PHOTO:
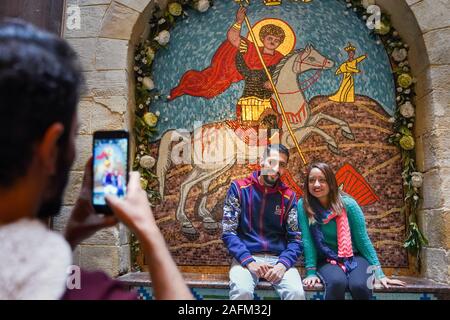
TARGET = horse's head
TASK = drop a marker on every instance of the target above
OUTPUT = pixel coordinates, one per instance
(309, 59)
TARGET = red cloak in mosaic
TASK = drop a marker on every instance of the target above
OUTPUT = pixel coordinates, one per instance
(222, 72)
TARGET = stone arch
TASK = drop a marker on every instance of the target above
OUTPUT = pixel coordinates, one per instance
(432, 70)
(105, 44)
(425, 26)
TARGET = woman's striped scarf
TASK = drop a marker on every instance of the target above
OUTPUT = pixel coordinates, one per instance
(344, 256)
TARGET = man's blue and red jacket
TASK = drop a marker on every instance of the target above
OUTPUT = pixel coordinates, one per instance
(260, 219)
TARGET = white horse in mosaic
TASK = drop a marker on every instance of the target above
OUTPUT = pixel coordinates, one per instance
(214, 148)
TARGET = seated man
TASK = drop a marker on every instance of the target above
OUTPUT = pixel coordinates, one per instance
(261, 232)
(40, 83)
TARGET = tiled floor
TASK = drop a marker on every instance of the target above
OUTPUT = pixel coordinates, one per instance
(215, 287)
(145, 293)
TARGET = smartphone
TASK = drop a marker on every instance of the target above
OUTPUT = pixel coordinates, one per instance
(109, 167)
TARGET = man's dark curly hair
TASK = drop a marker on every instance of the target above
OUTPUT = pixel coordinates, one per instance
(273, 30)
(40, 84)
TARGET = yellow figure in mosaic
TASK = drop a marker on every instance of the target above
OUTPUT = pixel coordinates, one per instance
(346, 92)
(273, 2)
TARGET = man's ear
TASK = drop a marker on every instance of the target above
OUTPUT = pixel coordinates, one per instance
(47, 149)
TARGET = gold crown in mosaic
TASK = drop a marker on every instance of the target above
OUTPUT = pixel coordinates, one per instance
(272, 2)
(349, 47)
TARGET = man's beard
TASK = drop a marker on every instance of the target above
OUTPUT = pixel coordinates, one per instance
(268, 181)
(54, 196)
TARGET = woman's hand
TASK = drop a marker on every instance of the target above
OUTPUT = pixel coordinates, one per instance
(311, 281)
(385, 281)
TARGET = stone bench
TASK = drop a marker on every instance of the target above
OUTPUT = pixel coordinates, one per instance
(215, 286)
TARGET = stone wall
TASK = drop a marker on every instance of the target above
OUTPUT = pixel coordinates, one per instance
(426, 27)
(109, 30)
(105, 43)
(434, 135)
(432, 69)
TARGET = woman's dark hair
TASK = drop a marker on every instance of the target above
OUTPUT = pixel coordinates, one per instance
(334, 197)
(40, 83)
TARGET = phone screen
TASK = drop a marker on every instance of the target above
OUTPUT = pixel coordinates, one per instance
(109, 168)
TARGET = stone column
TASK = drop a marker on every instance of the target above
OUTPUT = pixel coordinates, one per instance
(433, 135)
(105, 44)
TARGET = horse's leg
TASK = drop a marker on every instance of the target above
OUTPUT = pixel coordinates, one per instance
(331, 143)
(191, 180)
(345, 128)
(208, 221)
(303, 133)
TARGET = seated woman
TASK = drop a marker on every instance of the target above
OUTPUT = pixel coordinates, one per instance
(336, 244)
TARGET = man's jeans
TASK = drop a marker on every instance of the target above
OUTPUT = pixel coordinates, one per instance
(243, 282)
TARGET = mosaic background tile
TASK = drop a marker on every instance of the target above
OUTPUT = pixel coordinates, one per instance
(370, 154)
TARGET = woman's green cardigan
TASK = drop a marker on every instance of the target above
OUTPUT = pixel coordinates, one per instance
(360, 239)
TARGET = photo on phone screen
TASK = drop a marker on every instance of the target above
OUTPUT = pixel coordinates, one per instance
(110, 165)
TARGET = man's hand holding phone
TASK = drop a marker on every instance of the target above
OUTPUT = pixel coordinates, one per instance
(110, 161)
(134, 210)
(110, 167)
(84, 220)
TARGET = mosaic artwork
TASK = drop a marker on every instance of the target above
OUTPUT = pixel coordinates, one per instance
(321, 84)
